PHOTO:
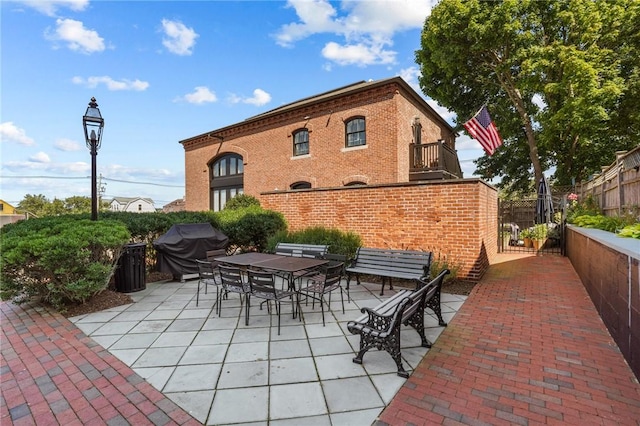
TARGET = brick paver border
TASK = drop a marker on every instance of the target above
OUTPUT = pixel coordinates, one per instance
(527, 347)
(52, 374)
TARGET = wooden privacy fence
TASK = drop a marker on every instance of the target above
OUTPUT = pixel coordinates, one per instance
(617, 188)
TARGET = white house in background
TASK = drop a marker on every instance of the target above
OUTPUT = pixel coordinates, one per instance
(134, 205)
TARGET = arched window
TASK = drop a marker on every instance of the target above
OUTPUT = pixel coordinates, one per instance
(356, 183)
(355, 132)
(226, 176)
(300, 185)
(301, 142)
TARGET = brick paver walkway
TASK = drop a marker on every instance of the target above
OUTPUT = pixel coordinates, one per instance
(52, 374)
(526, 348)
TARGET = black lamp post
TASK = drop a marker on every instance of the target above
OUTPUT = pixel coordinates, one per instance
(93, 124)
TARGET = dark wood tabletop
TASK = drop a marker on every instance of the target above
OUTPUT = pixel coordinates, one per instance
(291, 264)
(247, 259)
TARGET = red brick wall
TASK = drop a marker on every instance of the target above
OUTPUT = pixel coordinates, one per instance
(455, 218)
(266, 145)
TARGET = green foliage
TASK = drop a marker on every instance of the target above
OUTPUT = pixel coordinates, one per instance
(539, 231)
(525, 233)
(40, 206)
(606, 223)
(249, 228)
(631, 231)
(241, 201)
(61, 259)
(560, 80)
(586, 214)
(587, 206)
(442, 261)
(339, 242)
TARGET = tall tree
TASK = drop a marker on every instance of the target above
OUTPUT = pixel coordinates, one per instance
(551, 74)
(33, 204)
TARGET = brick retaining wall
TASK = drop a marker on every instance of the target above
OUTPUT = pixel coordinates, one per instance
(457, 218)
(612, 279)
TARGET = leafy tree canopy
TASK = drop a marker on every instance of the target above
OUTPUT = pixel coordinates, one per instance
(40, 206)
(561, 80)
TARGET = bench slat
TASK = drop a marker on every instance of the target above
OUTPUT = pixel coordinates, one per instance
(380, 326)
(299, 250)
(389, 263)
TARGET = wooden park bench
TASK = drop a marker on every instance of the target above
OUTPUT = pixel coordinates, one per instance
(379, 327)
(388, 264)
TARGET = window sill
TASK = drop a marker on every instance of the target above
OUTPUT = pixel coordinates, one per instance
(354, 148)
(299, 157)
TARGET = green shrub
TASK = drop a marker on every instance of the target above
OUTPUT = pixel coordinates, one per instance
(241, 201)
(631, 231)
(339, 242)
(61, 259)
(250, 228)
(441, 261)
(607, 223)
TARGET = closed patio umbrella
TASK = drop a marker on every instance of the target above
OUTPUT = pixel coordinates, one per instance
(544, 203)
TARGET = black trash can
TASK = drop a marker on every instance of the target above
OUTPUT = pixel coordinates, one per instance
(131, 273)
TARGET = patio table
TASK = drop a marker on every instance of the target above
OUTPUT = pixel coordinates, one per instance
(276, 262)
(247, 259)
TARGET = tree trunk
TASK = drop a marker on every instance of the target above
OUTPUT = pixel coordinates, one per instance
(516, 98)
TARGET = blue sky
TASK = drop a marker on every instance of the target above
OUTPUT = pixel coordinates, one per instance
(163, 71)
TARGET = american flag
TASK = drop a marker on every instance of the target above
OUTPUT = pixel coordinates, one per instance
(482, 129)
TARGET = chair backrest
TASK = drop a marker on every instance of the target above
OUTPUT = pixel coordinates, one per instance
(261, 282)
(333, 274)
(231, 277)
(205, 270)
(212, 254)
(335, 259)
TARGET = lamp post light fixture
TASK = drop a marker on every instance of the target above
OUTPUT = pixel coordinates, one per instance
(93, 124)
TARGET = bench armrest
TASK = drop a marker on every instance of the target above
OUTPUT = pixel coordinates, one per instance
(382, 322)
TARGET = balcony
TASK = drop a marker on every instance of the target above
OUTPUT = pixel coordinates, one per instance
(433, 160)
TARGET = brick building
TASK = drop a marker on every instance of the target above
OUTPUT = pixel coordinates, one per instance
(372, 158)
(361, 134)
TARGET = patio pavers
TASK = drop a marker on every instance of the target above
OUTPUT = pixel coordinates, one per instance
(527, 347)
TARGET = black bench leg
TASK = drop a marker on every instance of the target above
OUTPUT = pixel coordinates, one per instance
(384, 279)
(434, 305)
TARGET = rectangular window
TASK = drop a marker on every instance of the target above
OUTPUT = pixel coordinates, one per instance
(301, 142)
(355, 131)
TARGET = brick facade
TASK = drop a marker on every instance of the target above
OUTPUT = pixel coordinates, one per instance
(456, 218)
(265, 142)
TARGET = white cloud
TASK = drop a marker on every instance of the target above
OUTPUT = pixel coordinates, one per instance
(260, 97)
(48, 167)
(40, 157)
(360, 54)
(179, 38)
(11, 133)
(67, 145)
(367, 27)
(465, 143)
(76, 36)
(200, 95)
(50, 7)
(113, 85)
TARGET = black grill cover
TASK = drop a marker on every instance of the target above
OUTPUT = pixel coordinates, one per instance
(185, 242)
